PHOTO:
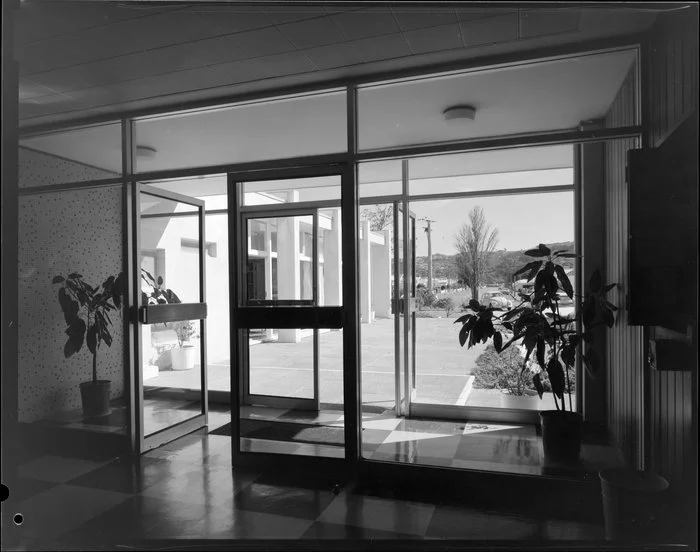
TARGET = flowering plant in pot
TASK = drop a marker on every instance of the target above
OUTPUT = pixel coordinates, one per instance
(184, 354)
(538, 325)
(86, 312)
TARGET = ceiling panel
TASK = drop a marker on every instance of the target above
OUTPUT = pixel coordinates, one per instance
(287, 14)
(229, 18)
(490, 30)
(383, 47)
(366, 23)
(103, 57)
(433, 39)
(468, 13)
(313, 32)
(263, 42)
(410, 18)
(336, 55)
(151, 63)
(42, 20)
(155, 31)
(544, 22)
(219, 75)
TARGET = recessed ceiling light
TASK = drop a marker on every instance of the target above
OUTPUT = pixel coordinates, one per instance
(146, 152)
(457, 114)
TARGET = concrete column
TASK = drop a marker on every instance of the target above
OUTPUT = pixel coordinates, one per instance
(288, 269)
(332, 277)
(365, 272)
(381, 277)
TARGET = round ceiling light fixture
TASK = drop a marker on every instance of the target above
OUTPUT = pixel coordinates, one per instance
(145, 152)
(459, 114)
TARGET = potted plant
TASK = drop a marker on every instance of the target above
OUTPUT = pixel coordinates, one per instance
(183, 355)
(503, 372)
(86, 312)
(538, 325)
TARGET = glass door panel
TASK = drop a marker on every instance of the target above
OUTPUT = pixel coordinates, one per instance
(289, 275)
(172, 383)
(279, 258)
(399, 314)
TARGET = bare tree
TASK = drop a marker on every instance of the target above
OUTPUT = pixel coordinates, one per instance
(474, 241)
(380, 217)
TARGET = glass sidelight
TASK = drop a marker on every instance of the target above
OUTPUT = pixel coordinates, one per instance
(171, 398)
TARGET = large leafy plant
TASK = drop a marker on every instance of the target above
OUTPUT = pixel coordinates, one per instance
(86, 311)
(152, 291)
(538, 325)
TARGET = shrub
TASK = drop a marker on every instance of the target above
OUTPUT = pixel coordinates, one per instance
(446, 303)
(502, 371)
(424, 298)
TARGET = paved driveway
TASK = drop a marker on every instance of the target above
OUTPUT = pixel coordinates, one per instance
(442, 376)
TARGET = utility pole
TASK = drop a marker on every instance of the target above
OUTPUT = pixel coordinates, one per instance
(428, 231)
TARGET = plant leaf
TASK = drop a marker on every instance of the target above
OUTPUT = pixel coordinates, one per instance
(569, 255)
(564, 281)
(76, 334)
(534, 266)
(92, 338)
(57, 279)
(540, 351)
(74, 275)
(555, 373)
(497, 341)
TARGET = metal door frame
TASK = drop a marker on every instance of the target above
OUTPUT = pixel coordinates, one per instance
(147, 314)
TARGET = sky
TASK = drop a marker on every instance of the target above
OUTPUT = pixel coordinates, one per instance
(522, 221)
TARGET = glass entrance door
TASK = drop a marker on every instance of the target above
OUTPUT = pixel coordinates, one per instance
(172, 317)
(287, 317)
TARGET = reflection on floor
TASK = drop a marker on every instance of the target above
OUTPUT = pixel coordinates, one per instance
(187, 490)
(162, 412)
(159, 412)
(487, 446)
(114, 422)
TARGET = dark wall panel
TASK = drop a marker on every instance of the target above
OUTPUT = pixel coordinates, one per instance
(672, 87)
(624, 342)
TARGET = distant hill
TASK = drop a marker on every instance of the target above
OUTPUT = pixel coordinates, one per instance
(502, 263)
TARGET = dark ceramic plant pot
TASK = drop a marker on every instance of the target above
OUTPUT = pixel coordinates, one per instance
(95, 396)
(561, 436)
(632, 504)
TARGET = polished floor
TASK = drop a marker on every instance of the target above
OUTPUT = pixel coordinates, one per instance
(486, 446)
(188, 490)
(159, 412)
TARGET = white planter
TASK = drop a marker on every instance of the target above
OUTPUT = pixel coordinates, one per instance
(183, 357)
(529, 401)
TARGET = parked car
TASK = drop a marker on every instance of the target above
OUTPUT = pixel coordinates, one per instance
(496, 300)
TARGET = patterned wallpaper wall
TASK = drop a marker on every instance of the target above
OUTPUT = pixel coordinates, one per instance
(37, 168)
(62, 232)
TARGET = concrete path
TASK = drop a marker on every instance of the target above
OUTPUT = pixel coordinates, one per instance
(443, 368)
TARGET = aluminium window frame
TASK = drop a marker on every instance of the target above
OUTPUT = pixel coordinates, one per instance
(352, 157)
